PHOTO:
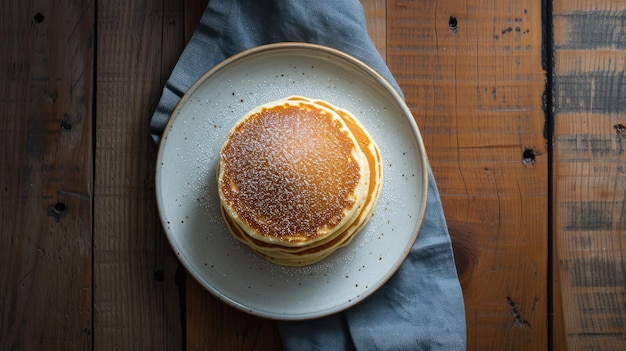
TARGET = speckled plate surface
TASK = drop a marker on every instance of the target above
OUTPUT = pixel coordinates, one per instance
(188, 201)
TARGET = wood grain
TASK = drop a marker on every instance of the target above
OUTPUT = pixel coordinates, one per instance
(46, 76)
(376, 19)
(589, 159)
(136, 299)
(472, 76)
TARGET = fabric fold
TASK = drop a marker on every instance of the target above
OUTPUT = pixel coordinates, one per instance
(421, 306)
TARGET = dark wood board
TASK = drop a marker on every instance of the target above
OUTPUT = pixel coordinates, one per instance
(137, 301)
(46, 189)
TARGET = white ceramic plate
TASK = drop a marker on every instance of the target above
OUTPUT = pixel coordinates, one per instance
(188, 201)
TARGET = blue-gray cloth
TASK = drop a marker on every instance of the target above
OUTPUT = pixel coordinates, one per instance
(421, 306)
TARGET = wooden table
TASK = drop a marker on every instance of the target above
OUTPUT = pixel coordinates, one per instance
(523, 113)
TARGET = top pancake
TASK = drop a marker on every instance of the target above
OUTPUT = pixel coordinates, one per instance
(291, 173)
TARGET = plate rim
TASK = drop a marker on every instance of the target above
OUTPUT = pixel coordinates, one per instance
(369, 71)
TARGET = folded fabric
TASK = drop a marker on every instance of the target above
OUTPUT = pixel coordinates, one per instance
(421, 306)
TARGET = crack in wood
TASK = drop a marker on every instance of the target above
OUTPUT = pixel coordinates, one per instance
(516, 314)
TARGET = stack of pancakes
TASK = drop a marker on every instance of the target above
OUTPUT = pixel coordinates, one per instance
(297, 179)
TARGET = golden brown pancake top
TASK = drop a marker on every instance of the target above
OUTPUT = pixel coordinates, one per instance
(290, 171)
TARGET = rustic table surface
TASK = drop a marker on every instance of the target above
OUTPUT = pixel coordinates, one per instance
(522, 106)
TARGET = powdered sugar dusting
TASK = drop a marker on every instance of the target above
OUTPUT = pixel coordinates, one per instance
(290, 170)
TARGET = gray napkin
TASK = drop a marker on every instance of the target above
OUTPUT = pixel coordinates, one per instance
(421, 306)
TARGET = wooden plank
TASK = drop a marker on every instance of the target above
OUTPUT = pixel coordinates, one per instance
(136, 299)
(46, 83)
(194, 9)
(472, 76)
(590, 201)
(376, 19)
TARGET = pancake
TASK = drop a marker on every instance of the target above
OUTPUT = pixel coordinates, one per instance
(292, 173)
(298, 178)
